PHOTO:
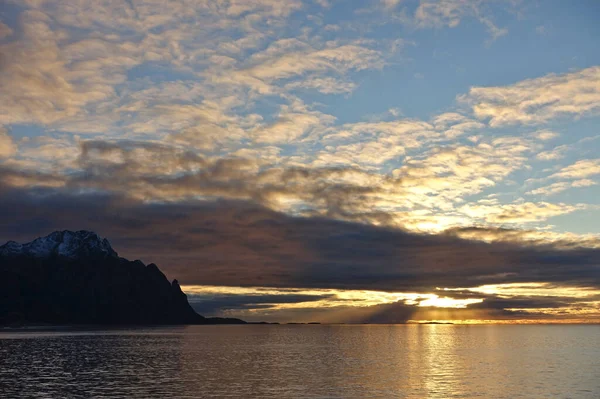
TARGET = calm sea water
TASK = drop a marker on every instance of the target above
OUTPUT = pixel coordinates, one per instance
(304, 361)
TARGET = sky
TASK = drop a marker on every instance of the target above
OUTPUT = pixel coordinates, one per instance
(378, 161)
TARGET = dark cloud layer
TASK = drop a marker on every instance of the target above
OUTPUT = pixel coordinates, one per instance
(243, 244)
(268, 307)
(155, 170)
(216, 304)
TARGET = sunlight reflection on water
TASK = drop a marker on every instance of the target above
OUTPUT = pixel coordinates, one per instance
(405, 361)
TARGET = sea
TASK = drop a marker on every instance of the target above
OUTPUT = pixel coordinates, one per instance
(303, 361)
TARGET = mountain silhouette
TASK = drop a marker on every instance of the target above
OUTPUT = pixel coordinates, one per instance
(77, 278)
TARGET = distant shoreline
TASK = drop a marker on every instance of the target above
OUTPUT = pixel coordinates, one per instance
(122, 327)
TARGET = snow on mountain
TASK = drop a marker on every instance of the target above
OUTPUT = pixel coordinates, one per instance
(68, 244)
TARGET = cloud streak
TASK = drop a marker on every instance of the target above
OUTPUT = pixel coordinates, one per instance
(538, 100)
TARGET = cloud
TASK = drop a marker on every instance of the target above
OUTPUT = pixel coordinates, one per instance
(546, 135)
(424, 194)
(373, 143)
(537, 100)
(71, 66)
(147, 15)
(559, 187)
(526, 212)
(328, 305)
(231, 243)
(5, 31)
(64, 79)
(554, 154)
(292, 123)
(288, 128)
(526, 237)
(39, 93)
(163, 172)
(325, 85)
(216, 305)
(390, 4)
(441, 177)
(46, 153)
(440, 13)
(579, 170)
(19, 176)
(194, 74)
(7, 145)
(454, 125)
(274, 63)
(344, 180)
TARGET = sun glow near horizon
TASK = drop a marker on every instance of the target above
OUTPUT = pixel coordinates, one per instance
(308, 304)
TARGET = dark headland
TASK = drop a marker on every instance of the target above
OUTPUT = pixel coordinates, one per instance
(77, 278)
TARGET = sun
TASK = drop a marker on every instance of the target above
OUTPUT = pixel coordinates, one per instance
(446, 302)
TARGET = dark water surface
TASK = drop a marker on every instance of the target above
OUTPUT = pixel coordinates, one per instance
(304, 361)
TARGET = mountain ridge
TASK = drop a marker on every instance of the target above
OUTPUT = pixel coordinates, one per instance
(70, 244)
(75, 277)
